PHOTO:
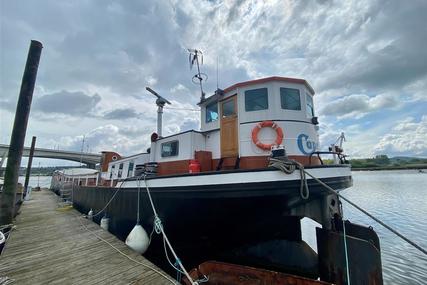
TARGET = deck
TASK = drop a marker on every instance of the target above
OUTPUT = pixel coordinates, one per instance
(52, 245)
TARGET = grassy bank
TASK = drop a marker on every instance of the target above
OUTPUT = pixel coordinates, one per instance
(382, 162)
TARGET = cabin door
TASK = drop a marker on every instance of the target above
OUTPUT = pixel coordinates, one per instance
(229, 128)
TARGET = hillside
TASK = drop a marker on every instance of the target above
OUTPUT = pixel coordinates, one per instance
(384, 162)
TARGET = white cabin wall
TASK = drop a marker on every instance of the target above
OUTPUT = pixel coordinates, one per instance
(274, 111)
(292, 131)
(295, 123)
(189, 142)
(136, 159)
(213, 143)
(300, 138)
(199, 142)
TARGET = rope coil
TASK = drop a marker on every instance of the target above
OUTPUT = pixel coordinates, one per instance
(288, 166)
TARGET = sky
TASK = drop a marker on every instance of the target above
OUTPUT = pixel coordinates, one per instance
(366, 60)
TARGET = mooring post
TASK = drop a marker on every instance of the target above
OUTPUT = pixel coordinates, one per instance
(30, 161)
(7, 199)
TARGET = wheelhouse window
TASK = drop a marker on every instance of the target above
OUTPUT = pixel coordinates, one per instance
(130, 169)
(290, 99)
(212, 112)
(228, 108)
(119, 174)
(256, 99)
(169, 148)
(309, 106)
(112, 170)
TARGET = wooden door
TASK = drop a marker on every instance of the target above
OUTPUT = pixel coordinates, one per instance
(229, 128)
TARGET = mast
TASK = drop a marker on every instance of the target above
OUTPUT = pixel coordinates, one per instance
(160, 102)
(200, 76)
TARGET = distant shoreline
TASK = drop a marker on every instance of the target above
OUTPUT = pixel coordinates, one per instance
(407, 167)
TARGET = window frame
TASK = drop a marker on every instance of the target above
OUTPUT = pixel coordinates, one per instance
(130, 170)
(256, 89)
(281, 100)
(231, 99)
(120, 171)
(215, 103)
(169, 142)
(310, 114)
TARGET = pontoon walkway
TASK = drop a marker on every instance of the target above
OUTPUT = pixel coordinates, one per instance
(50, 246)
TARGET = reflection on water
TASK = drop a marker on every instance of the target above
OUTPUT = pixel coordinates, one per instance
(398, 198)
(42, 181)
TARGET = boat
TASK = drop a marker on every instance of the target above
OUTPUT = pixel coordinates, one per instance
(235, 191)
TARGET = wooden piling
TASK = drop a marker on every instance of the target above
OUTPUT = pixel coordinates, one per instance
(30, 162)
(7, 199)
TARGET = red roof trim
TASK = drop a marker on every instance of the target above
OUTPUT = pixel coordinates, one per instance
(268, 79)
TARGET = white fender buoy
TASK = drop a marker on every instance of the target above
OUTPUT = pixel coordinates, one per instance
(138, 239)
(104, 223)
(2, 238)
(90, 215)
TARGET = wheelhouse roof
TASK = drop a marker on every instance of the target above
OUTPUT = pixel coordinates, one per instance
(268, 79)
(260, 81)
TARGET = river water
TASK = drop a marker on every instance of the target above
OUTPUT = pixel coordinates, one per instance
(42, 181)
(398, 198)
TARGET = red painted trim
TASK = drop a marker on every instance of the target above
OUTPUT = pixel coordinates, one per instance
(268, 79)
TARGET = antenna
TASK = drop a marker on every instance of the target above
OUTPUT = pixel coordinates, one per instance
(193, 58)
(81, 151)
(160, 102)
(217, 68)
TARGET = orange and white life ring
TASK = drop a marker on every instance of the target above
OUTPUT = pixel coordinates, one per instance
(267, 124)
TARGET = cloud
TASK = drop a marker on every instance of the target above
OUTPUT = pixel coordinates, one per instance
(7, 105)
(68, 103)
(408, 137)
(121, 114)
(361, 56)
(107, 137)
(358, 105)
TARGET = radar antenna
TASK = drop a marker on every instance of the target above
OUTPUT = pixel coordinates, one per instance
(193, 58)
(160, 102)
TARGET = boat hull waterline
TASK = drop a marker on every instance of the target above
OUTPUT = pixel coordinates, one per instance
(224, 212)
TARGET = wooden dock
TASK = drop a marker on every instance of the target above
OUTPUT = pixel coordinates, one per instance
(52, 245)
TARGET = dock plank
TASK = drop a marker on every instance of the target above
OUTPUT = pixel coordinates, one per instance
(57, 246)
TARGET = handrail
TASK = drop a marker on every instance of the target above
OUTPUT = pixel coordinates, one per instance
(340, 155)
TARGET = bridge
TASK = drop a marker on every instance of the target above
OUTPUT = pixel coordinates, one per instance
(91, 159)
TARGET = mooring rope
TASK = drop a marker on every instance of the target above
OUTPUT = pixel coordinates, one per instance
(288, 166)
(346, 252)
(137, 212)
(109, 202)
(6, 226)
(359, 208)
(124, 254)
(159, 229)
